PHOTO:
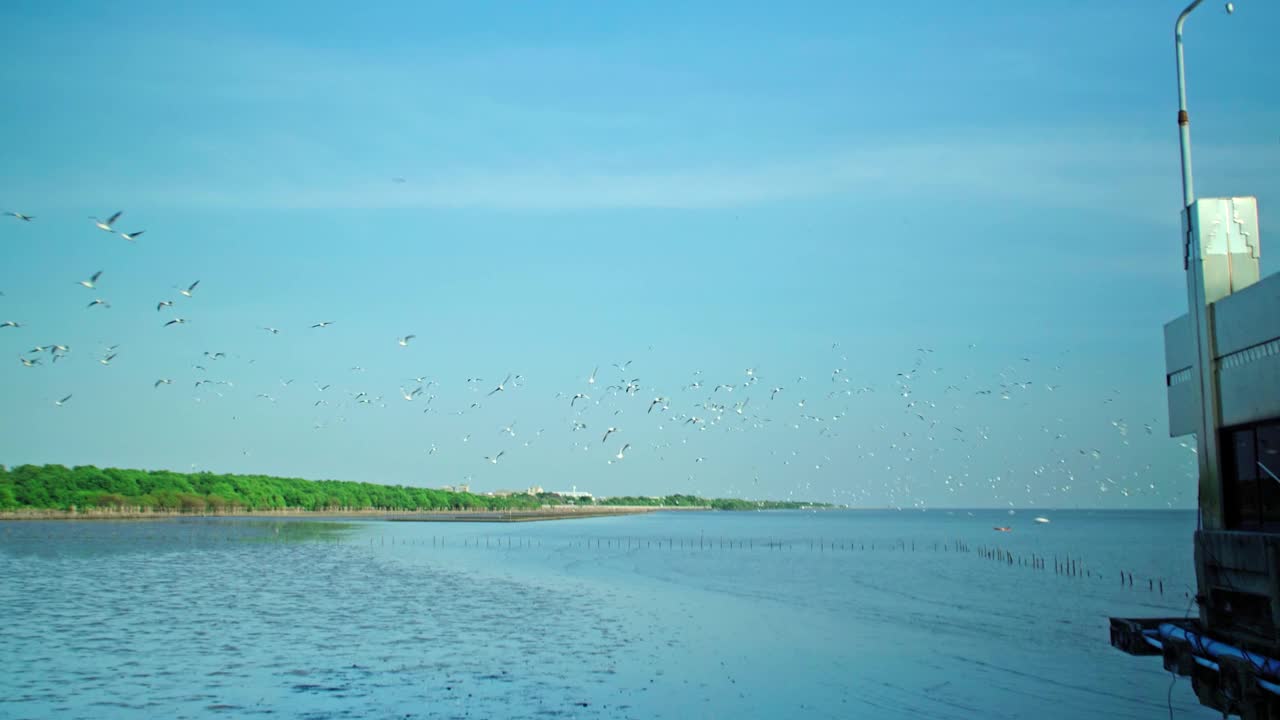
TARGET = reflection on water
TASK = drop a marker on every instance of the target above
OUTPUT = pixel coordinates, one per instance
(670, 615)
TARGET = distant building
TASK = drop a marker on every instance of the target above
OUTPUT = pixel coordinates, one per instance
(534, 490)
(574, 494)
(457, 488)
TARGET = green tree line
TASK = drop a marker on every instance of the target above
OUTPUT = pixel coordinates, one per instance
(56, 487)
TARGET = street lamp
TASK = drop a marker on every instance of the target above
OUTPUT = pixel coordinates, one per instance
(1202, 326)
(1184, 122)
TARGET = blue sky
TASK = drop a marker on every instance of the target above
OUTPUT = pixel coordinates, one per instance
(709, 188)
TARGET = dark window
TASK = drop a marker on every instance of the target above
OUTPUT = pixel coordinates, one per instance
(1266, 466)
(1251, 477)
(1241, 482)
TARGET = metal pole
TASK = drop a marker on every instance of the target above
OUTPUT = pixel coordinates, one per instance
(1184, 121)
(1210, 488)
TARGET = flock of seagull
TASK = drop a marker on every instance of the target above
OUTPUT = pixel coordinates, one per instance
(918, 437)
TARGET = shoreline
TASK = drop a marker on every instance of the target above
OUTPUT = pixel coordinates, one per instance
(555, 512)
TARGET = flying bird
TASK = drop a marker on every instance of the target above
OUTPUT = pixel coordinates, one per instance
(107, 360)
(324, 324)
(607, 433)
(106, 224)
(99, 301)
(20, 216)
(592, 380)
(62, 402)
(10, 323)
(29, 363)
(162, 381)
(404, 341)
(501, 386)
(92, 279)
(622, 451)
(189, 290)
(494, 459)
(163, 304)
(577, 397)
(272, 330)
(175, 321)
(132, 236)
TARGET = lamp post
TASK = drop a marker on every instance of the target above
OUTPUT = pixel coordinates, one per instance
(1184, 122)
(1210, 481)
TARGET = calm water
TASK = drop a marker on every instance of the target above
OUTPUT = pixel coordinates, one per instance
(668, 615)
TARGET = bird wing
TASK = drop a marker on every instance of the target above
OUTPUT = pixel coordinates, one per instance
(193, 286)
(113, 218)
(95, 276)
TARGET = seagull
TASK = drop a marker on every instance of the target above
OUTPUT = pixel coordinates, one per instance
(622, 367)
(774, 392)
(410, 395)
(189, 290)
(107, 360)
(510, 429)
(577, 397)
(656, 401)
(494, 459)
(622, 451)
(29, 363)
(62, 402)
(106, 224)
(10, 323)
(592, 380)
(92, 279)
(272, 330)
(607, 433)
(162, 381)
(132, 236)
(20, 216)
(163, 304)
(175, 321)
(324, 324)
(502, 385)
(99, 301)
(404, 341)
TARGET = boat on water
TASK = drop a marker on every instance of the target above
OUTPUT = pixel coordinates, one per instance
(1002, 528)
(1042, 520)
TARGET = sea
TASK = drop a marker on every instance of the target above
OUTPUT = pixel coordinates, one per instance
(781, 614)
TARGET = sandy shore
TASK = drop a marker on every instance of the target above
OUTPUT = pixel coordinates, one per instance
(557, 512)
